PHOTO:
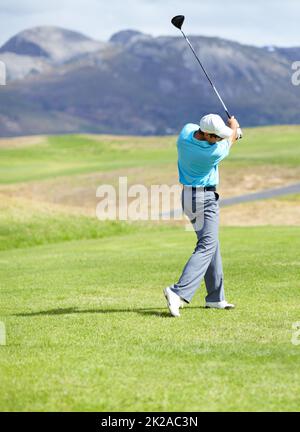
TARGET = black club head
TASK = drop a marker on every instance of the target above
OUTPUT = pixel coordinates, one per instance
(177, 21)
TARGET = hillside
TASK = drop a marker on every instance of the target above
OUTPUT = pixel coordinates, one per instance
(63, 82)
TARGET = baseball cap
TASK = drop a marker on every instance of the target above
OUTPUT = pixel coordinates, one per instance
(214, 124)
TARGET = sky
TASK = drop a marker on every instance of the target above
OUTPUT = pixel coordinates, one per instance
(254, 22)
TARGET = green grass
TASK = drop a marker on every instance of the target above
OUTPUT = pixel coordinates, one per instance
(75, 154)
(273, 145)
(291, 197)
(87, 325)
(19, 229)
(71, 154)
(88, 329)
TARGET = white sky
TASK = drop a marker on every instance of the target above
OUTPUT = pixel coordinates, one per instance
(255, 22)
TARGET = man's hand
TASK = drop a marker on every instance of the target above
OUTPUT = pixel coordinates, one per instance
(234, 125)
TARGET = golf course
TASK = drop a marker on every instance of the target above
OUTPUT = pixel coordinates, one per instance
(87, 326)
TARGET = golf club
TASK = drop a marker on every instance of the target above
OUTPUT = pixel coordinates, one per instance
(177, 21)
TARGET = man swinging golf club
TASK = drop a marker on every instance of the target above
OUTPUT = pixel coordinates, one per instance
(200, 150)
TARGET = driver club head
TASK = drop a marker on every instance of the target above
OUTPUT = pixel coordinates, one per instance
(177, 21)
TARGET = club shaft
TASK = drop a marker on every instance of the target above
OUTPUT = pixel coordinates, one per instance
(206, 74)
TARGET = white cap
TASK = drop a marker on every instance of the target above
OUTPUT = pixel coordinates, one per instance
(213, 123)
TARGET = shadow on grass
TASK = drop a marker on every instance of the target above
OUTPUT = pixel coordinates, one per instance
(159, 312)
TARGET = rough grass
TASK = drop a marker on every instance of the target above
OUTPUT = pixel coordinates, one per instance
(28, 225)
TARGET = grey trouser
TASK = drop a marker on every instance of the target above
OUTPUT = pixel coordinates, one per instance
(205, 261)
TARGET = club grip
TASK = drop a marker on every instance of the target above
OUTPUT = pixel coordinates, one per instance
(239, 133)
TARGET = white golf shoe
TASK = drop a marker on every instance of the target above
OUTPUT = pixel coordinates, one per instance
(173, 302)
(219, 305)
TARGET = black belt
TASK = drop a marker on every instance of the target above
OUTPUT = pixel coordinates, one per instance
(210, 188)
(206, 188)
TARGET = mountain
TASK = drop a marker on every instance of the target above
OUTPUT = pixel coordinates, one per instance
(60, 81)
(40, 49)
(50, 42)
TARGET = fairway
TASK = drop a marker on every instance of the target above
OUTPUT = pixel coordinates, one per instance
(88, 329)
(69, 155)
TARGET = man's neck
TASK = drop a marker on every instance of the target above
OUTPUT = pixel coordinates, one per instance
(199, 136)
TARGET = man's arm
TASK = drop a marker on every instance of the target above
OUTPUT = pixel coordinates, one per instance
(234, 125)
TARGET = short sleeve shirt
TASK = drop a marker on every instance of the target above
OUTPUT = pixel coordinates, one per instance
(198, 160)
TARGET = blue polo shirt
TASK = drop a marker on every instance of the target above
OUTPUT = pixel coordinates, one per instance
(198, 160)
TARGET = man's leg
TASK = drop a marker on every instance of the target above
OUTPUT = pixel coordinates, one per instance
(214, 278)
(196, 267)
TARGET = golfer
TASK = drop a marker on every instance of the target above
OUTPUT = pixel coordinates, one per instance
(200, 150)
